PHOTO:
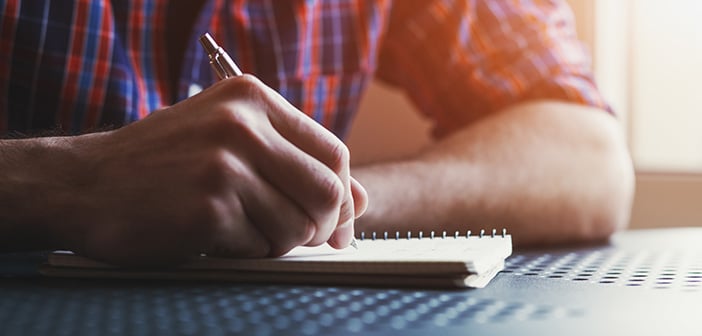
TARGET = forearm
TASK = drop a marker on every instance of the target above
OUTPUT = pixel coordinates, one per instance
(548, 172)
(33, 190)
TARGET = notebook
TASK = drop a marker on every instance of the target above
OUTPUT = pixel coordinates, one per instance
(442, 261)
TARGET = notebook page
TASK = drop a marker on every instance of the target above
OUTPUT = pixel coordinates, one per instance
(445, 250)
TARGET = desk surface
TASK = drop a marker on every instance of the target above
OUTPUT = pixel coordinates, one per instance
(642, 282)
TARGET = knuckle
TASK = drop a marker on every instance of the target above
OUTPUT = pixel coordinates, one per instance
(332, 191)
(239, 124)
(261, 250)
(210, 215)
(340, 156)
(347, 212)
(240, 128)
(217, 164)
(285, 241)
(303, 231)
(307, 230)
(250, 80)
(219, 167)
(243, 86)
(229, 118)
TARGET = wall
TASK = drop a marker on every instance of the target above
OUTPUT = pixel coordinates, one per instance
(387, 127)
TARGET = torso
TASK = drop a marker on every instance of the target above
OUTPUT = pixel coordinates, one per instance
(318, 54)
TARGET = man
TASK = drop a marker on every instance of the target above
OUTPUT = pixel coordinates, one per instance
(524, 140)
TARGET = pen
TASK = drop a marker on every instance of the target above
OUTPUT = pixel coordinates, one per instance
(225, 67)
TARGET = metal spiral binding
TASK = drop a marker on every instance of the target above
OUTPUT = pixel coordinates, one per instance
(420, 235)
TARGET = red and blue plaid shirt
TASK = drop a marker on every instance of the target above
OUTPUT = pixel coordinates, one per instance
(81, 65)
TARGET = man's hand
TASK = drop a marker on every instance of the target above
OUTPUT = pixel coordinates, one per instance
(234, 170)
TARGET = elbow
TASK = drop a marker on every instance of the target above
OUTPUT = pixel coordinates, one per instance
(616, 202)
(611, 192)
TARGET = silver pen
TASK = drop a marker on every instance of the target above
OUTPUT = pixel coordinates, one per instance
(225, 67)
(220, 61)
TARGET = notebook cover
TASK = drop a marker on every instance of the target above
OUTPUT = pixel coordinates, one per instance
(404, 257)
(302, 278)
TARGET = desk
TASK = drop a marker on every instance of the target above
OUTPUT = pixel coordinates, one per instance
(641, 283)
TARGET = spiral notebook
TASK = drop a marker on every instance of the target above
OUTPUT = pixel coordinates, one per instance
(432, 261)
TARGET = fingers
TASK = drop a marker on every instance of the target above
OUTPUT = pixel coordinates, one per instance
(301, 130)
(236, 232)
(306, 153)
(318, 142)
(239, 236)
(307, 182)
(299, 159)
(262, 221)
(276, 213)
(279, 218)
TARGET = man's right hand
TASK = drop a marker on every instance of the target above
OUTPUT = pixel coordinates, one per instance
(234, 170)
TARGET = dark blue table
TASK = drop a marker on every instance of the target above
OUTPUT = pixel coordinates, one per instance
(641, 283)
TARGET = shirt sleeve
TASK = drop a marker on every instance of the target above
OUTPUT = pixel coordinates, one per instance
(459, 61)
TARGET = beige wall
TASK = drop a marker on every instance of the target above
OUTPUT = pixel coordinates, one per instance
(387, 127)
(667, 200)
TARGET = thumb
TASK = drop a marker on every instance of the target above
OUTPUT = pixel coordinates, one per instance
(360, 197)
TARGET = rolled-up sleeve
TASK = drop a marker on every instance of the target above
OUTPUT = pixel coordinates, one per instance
(459, 61)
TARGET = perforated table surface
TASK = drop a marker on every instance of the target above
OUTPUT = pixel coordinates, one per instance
(641, 283)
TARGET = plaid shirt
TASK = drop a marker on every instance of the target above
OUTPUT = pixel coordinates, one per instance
(81, 65)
